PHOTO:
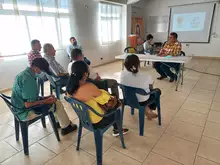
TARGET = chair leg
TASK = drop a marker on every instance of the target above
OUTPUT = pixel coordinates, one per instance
(43, 121)
(141, 121)
(54, 125)
(132, 111)
(98, 142)
(42, 88)
(51, 89)
(24, 133)
(58, 92)
(159, 113)
(119, 125)
(16, 129)
(79, 136)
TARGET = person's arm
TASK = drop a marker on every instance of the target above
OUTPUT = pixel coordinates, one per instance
(93, 74)
(30, 94)
(49, 100)
(68, 51)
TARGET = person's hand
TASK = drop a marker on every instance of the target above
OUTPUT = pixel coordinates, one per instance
(63, 74)
(98, 78)
(112, 102)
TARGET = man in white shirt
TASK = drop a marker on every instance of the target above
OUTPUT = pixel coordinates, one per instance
(74, 45)
(94, 77)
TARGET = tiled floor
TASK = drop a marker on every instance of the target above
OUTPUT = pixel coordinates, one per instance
(190, 134)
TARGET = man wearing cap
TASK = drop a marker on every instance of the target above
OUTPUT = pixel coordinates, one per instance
(74, 45)
(25, 96)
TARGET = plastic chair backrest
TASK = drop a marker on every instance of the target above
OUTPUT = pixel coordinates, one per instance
(81, 110)
(182, 53)
(129, 94)
(129, 50)
(7, 100)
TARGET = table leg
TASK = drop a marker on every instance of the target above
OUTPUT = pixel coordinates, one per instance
(179, 76)
(182, 73)
(122, 64)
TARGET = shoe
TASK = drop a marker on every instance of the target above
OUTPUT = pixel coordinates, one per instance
(161, 77)
(171, 80)
(116, 132)
(68, 129)
(58, 125)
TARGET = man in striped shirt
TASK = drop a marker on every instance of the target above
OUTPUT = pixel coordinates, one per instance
(35, 52)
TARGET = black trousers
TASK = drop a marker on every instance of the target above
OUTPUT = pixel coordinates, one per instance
(105, 122)
(152, 106)
(164, 69)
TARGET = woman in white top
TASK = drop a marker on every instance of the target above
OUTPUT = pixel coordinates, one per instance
(132, 77)
(148, 45)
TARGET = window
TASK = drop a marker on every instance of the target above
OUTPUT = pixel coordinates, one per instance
(110, 23)
(24, 20)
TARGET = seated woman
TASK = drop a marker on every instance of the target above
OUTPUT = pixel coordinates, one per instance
(132, 77)
(79, 88)
(148, 45)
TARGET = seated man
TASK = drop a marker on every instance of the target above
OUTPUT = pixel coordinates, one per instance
(74, 45)
(173, 48)
(35, 52)
(25, 96)
(76, 55)
(55, 67)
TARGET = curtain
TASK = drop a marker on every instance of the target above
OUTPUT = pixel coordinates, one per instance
(25, 20)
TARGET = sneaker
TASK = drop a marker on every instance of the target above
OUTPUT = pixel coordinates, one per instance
(161, 77)
(68, 129)
(116, 132)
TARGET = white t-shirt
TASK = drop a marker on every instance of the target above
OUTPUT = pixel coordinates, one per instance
(138, 81)
(92, 75)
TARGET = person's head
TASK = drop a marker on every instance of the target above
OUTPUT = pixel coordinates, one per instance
(138, 30)
(79, 75)
(35, 45)
(49, 49)
(76, 55)
(132, 63)
(173, 37)
(150, 38)
(40, 65)
(73, 40)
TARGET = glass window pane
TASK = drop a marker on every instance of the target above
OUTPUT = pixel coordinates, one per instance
(65, 30)
(44, 29)
(63, 6)
(110, 22)
(27, 5)
(14, 38)
(6, 4)
(48, 6)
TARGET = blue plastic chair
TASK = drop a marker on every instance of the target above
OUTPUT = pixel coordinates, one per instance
(57, 83)
(130, 99)
(24, 124)
(81, 110)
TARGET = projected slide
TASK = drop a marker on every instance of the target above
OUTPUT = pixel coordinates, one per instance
(189, 22)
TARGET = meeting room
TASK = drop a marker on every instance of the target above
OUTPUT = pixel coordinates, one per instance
(109, 82)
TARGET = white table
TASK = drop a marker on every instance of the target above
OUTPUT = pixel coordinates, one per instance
(147, 57)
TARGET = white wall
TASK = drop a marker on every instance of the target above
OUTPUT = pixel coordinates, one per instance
(84, 26)
(160, 8)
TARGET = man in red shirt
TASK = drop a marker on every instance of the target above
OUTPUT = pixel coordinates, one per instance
(35, 52)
